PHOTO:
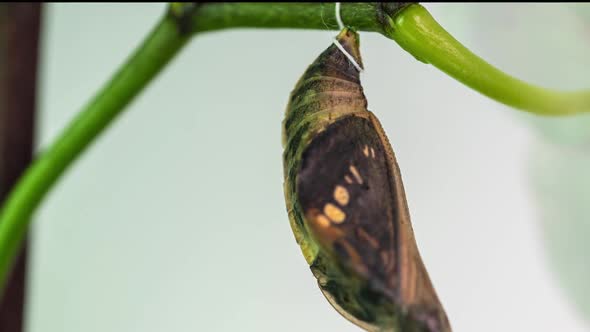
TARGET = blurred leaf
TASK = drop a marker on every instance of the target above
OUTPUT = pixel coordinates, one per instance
(561, 188)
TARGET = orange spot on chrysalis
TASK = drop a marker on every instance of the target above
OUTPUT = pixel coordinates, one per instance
(334, 213)
(341, 195)
(322, 221)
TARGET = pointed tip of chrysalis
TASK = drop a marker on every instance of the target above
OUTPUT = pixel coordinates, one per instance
(350, 41)
(342, 59)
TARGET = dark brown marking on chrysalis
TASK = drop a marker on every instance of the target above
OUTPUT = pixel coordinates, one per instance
(375, 240)
(325, 163)
(347, 205)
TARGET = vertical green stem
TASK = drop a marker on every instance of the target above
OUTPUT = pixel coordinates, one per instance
(147, 61)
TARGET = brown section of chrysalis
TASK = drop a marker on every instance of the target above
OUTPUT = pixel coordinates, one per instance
(347, 204)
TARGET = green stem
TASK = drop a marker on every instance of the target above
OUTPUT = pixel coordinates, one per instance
(157, 50)
(417, 32)
(219, 16)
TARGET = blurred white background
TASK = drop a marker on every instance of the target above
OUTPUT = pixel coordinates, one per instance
(175, 219)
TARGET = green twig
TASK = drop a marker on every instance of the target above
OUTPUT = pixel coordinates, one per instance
(219, 16)
(418, 33)
(412, 27)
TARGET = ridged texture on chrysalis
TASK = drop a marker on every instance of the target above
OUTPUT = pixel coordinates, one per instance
(347, 205)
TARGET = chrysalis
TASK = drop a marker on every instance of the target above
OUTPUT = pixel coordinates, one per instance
(346, 201)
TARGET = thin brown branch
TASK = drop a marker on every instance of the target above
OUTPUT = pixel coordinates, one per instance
(19, 40)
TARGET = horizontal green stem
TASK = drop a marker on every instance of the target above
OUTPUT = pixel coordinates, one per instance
(321, 16)
(417, 32)
(157, 50)
(414, 29)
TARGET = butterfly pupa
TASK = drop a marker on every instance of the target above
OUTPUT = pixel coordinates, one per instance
(346, 201)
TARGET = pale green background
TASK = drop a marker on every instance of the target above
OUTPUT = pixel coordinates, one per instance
(175, 220)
